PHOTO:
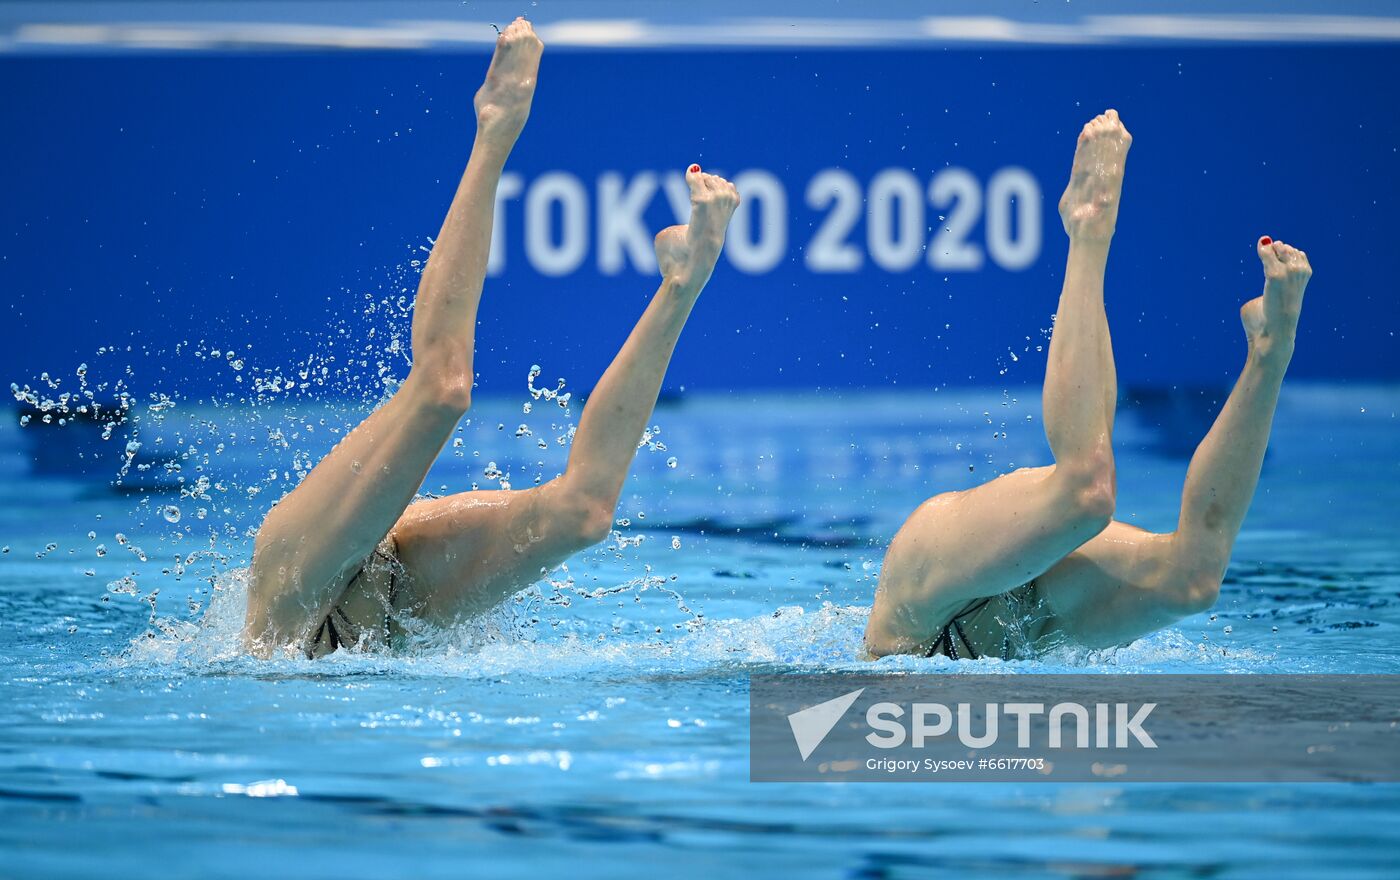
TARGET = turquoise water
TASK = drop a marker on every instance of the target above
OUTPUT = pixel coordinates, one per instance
(597, 726)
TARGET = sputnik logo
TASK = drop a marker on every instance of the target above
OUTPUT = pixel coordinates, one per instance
(811, 725)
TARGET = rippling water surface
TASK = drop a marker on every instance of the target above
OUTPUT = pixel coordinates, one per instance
(597, 725)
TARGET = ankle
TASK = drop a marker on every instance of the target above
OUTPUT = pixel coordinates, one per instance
(680, 284)
(1092, 246)
(1271, 352)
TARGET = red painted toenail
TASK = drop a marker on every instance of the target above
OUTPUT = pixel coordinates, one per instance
(695, 169)
(1266, 241)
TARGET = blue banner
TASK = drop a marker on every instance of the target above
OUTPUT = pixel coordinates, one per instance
(899, 224)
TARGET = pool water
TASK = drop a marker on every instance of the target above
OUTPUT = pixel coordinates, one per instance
(597, 725)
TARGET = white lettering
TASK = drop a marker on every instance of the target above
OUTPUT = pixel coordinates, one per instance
(895, 200)
(1007, 186)
(1081, 725)
(621, 233)
(1134, 726)
(1023, 713)
(922, 730)
(988, 737)
(875, 716)
(956, 189)
(545, 256)
(762, 195)
(829, 251)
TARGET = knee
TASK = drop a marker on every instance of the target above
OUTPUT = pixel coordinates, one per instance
(445, 390)
(1192, 578)
(583, 518)
(1194, 592)
(595, 525)
(1090, 486)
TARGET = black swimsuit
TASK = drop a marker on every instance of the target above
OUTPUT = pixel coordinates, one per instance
(989, 618)
(334, 634)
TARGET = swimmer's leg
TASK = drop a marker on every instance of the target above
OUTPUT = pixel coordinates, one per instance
(1126, 582)
(466, 553)
(315, 540)
(961, 546)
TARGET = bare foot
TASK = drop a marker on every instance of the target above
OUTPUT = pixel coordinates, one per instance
(503, 101)
(1271, 320)
(687, 254)
(1089, 207)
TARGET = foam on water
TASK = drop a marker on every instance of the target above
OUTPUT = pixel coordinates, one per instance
(203, 472)
(791, 638)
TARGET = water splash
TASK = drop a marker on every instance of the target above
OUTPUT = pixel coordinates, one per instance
(202, 471)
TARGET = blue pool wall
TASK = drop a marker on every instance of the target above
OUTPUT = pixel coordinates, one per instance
(899, 228)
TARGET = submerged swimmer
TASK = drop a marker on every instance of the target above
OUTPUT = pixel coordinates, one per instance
(992, 570)
(344, 554)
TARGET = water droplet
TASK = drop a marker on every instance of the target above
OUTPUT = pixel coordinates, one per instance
(171, 513)
(671, 462)
(675, 542)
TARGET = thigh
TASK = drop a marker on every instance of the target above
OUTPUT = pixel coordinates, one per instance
(1122, 584)
(464, 554)
(962, 546)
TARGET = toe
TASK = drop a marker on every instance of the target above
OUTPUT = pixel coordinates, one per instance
(1267, 255)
